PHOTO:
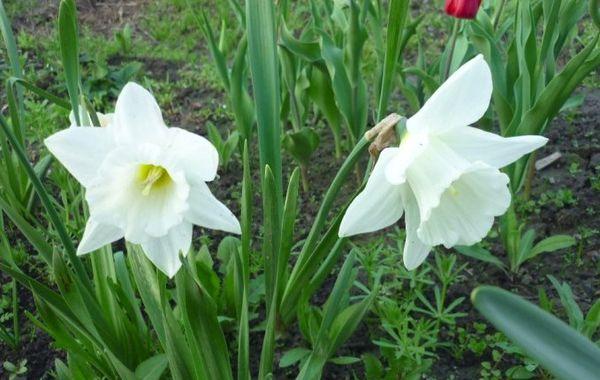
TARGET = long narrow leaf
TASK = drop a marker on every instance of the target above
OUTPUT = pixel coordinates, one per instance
(69, 49)
(555, 345)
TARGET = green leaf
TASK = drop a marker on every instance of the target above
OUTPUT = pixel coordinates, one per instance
(308, 261)
(301, 144)
(290, 213)
(479, 253)
(320, 91)
(344, 360)
(152, 368)
(558, 90)
(307, 50)
(47, 203)
(525, 245)
(264, 69)
(213, 46)
(69, 50)
(551, 244)
(207, 277)
(145, 277)
(9, 43)
(33, 235)
(567, 299)
(201, 326)
(592, 320)
(293, 356)
(556, 346)
(373, 367)
(13, 81)
(16, 69)
(398, 10)
(241, 103)
(271, 247)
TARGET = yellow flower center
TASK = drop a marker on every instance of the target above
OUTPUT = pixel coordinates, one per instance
(452, 190)
(153, 177)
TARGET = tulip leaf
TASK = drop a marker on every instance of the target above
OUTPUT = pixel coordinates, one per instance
(321, 93)
(307, 50)
(301, 144)
(152, 368)
(557, 347)
(293, 356)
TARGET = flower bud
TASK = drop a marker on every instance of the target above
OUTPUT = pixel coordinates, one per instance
(462, 8)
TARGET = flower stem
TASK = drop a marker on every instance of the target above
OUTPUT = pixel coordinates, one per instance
(452, 41)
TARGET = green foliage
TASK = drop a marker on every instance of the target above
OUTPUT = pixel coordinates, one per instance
(301, 144)
(310, 64)
(15, 371)
(225, 146)
(559, 348)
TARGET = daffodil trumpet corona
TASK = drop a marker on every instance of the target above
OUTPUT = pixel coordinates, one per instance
(143, 181)
(444, 176)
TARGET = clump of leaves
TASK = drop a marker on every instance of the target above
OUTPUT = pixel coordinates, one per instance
(16, 371)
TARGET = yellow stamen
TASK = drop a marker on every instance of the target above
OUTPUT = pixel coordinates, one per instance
(453, 190)
(153, 176)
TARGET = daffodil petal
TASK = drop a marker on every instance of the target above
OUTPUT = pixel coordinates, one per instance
(378, 206)
(497, 151)
(193, 153)
(97, 235)
(116, 196)
(207, 211)
(410, 149)
(137, 116)
(105, 119)
(458, 102)
(164, 251)
(81, 150)
(432, 173)
(467, 208)
(415, 251)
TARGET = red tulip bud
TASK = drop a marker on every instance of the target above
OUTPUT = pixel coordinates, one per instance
(462, 8)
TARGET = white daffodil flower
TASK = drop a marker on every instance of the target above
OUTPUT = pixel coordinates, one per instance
(144, 181)
(445, 174)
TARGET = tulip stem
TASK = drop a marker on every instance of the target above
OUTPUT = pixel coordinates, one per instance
(452, 41)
